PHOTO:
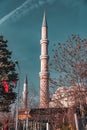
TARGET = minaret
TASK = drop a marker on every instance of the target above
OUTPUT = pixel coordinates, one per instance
(44, 74)
(25, 93)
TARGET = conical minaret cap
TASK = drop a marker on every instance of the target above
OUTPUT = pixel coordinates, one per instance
(25, 87)
(44, 23)
(25, 81)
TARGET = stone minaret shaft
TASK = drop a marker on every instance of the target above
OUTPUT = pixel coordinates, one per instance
(25, 93)
(44, 74)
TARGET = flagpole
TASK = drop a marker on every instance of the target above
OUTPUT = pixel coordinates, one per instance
(17, 106)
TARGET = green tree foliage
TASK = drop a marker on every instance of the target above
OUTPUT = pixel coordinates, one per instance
(8, 76)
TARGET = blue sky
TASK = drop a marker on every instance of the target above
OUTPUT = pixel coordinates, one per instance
(20, 24)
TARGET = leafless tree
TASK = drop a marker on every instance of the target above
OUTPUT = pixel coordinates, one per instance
(33, 97)
(69, 62)
(68, 65)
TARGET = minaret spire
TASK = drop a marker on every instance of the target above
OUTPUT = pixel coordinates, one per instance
(44, 73)
(25, 93)
(44, 23)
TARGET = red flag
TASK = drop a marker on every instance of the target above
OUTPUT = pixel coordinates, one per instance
(5, 84)
(14, 83)
(6, 125)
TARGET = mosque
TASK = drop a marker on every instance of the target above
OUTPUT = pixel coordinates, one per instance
(44, 72)
(45, 117)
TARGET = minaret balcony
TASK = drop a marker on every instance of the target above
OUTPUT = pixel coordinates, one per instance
(44, 41)
(44, 74)
(44, 57)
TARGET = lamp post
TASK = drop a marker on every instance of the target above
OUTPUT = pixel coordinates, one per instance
(17, 104)
(27, 113)
(16, 128)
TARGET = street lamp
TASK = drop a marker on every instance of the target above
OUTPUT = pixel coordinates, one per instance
(27, 113)
(17, 104)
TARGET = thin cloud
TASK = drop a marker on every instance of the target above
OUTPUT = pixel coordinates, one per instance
(14, 12)
(25, 7)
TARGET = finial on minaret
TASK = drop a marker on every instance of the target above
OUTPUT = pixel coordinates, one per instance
(26, 82)
(25, 93)
(44, 23)
(44, 73)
